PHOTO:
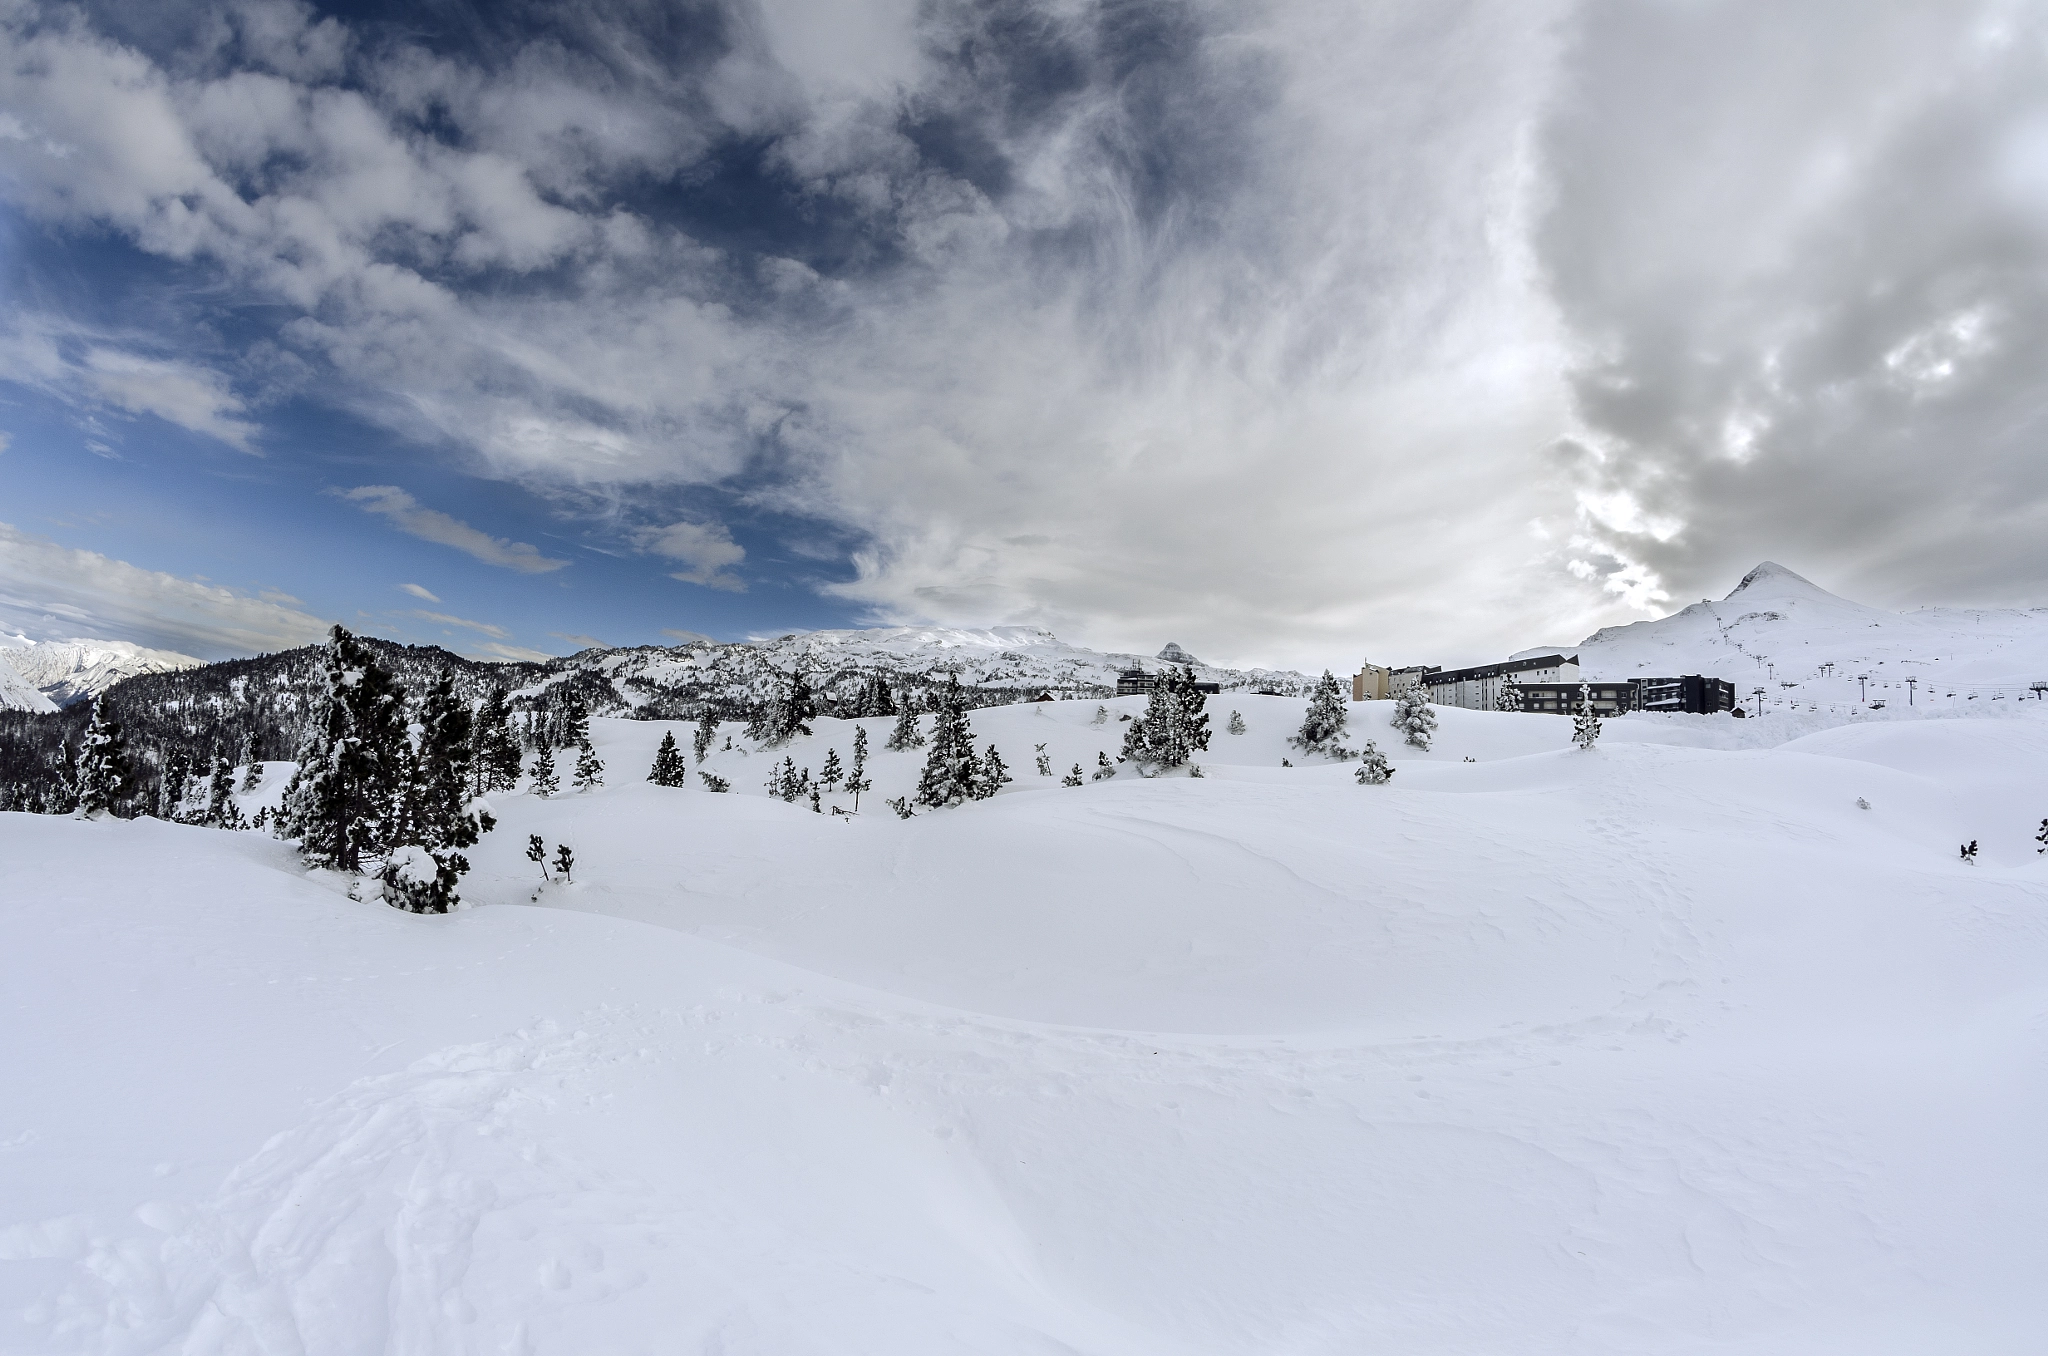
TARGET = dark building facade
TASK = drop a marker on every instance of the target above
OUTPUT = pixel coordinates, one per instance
(1137, 682)
(1694, 693)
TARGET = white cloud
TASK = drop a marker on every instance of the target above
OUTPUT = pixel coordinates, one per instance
(416, 591)
(179, 393)
(707, 548)
(50, 591)
(408, 515)
(515, 652)
(444, 619)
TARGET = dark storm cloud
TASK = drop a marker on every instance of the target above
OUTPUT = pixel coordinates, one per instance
(1803, 252)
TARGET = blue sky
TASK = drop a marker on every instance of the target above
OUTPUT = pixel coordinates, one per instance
(1293, 332)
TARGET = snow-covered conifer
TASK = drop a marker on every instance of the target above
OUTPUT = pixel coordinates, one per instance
(817, 802)
(537, 852)
(1044, 759)
(220, 792)
(564, 859)
(494, 746)
(1174, 725)
(2041, 837)
(713, 782)
(1103, 767)
(252, 766)
(589, 768)
(1414, 717)
(434, 820)
(669, 768)
(994, 773)
(338, 804)
(1072, 778)
(104, 780)
(1373, 767)
(905, 734)
(1586, 723)
(170, 793)
(832, 772)
(545, 780)
(1510, 698)
(707, 732)
(574, 731)
(1101, 715)
(1236, 725)
(1322, 726)
(856, 777)
(951, 771)
(786, 714)
(901, 805)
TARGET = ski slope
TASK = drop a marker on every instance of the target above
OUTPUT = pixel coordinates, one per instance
(1663, 1047)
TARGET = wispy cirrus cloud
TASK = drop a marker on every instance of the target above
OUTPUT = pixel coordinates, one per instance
(415, 519)
(484, 628)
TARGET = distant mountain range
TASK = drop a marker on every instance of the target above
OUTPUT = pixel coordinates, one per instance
(67, 671)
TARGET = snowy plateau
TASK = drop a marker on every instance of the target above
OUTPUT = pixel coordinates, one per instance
(1702, 1040)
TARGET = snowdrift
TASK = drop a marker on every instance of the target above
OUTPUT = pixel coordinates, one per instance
(1666, 1047)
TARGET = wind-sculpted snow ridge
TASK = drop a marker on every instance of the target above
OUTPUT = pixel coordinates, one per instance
(68, 671)
(1806, 648)
(1701, 1041)
(999, 663)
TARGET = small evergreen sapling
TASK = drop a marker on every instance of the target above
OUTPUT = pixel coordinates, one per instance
(713, 782)
(1586, 724)
(537, 853)
(830, 776)
(1236, 725)
(545, 780)
(707, 733)
(1373, 767)
(901, 805)
(994, 773)
(2042, 837)
(856, 778)
(564, 859)
(1044, 761)
(1072, 778)
(669, 768)
(1414, 717)
(589, 767)
(1103, 767)
(1969, 851)
(252, 767)
(1101, 715)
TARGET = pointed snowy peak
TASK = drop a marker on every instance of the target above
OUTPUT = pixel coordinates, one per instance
(1174, 654)
(1773, 578)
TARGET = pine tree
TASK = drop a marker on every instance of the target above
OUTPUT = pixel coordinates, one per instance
(545, 782)
(574, 731)
(905, 735)
(1373, 767)
(1510, 698)
(669, 767)
(951, 771)
(1103, 767)
(433, 821)
(252, 774)
(220, 788)
(537, 852)
(589, 768)
(2041, 837)
(707, 732)
(1586, 723)
(338, 804)
(829, 778)
(1236, 725)
(714, 782)
(1323, 725)
(994, 774)
(494, 746)
(817, 803)
(1174, 725)
(1044, 759)
(103, 780)
(857, 778)
(784, 715)
(871, 699)
(1414, 717)
(564, 859)
(170, 794)
(1072, 778)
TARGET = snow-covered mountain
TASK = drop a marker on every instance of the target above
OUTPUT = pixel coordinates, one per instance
(67, 671)
(1004, 658)
(18, 693)
(1781, 632)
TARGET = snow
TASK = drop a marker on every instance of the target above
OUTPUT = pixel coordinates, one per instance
(73, 670)
(1666, 1046)
(18, 693)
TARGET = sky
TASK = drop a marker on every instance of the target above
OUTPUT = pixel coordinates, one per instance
(1295, 333)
